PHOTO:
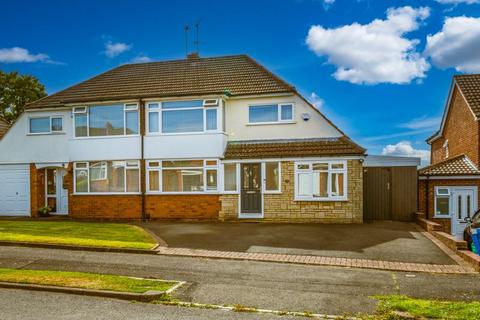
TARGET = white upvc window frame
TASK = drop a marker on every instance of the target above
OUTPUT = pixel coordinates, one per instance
(279, 113)
(128, 165)
(127, 107)
(309, 170)
(438, 194)
(264, 177)
(159, 109)
(205, 167)
(50, 129)
(237, 178)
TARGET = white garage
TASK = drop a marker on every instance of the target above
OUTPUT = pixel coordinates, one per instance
(15, 190)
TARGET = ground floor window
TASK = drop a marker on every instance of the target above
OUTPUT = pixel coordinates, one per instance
(107, 176)
(321, 180)
(179, 176)
(442, 202)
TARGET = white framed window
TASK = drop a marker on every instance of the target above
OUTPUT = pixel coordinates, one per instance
(106, 120)
(45, 125)
(231, 176)
(442, 202)
(107, 177)
(321, 181)
(272, 177)
(183, 117)
(271, 113)
(182, 176)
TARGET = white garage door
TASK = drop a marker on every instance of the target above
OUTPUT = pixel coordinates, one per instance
(14, 190)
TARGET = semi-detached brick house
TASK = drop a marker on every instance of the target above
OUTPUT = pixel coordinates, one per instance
(201, 138)
(448, 188)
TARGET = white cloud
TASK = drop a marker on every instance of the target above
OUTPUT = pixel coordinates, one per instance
(405, 149)
(141, 59)
(376, 52)
(316, 100)
(422, 123)
(456, 45)
(16, 54)
(458, 1)
(114, 49)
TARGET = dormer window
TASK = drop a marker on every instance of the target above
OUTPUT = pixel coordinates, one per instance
(445, 147)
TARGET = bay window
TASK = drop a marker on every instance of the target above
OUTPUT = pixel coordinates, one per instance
(179, 176)
(192, 116)
(271, 113)
(108, 120)
(107, 177)
(321, 180)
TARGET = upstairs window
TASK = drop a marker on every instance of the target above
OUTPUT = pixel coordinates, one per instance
(192, 116)
(273, 113)
(46, 124)
(109, 120)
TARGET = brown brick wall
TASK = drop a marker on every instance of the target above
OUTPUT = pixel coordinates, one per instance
(191, 206)
(461, 130)
(422, 201)
(283, 208)
(37, 189)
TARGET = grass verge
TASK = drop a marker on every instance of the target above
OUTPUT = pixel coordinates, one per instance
(433, 309)
(109, 235)
(83, 280)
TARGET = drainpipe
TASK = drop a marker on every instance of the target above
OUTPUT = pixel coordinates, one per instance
(141, 108)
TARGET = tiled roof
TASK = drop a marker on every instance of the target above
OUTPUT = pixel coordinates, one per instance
(3, 127)
(342, 146)
(457, 166)
(235, 75)
(469, 85)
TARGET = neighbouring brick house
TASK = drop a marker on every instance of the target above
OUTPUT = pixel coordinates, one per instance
(201, 138)
(448, 188)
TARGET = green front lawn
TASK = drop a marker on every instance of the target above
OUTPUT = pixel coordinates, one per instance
(84, 280)
(112, 235)
(433, 309)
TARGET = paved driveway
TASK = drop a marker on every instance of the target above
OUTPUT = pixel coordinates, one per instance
(389, 241)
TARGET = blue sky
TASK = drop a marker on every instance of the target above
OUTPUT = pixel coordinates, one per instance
(366, 64)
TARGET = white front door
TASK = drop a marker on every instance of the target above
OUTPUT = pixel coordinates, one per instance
(464, 206)
(56, 195)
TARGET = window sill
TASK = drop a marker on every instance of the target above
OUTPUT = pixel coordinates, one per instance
(273, 192)
(442, 217)
(321, 200)
(270, 123)
(107, 194)
(107, 137)
(47, 133)
(153, 134)
(183, 193)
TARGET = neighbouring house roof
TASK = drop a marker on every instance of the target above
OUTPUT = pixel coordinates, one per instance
(236, 75)
(341, 146)
(469, 85)
(457, 166)
(3, 127)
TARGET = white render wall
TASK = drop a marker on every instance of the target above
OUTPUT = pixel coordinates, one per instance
(17, 146)
(238, 129)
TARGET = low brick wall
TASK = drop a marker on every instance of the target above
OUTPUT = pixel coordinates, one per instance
(105, 207)
(189, 206)
(283, 208)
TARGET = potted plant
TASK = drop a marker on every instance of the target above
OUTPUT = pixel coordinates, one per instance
(44, 211)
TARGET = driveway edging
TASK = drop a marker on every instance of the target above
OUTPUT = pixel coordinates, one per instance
(78, 248)
(318, 261)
